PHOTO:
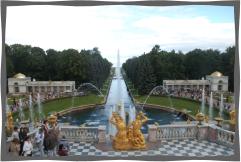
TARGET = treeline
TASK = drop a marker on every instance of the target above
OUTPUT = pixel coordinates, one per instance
(150, 69)
(69, 64)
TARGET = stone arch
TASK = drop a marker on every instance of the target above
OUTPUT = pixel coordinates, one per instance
(220, 85)
(16, 87)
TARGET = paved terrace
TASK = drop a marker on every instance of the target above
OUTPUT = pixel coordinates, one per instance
(171, 140)
(192, 148)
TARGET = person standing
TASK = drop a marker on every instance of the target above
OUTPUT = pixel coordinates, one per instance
(15, 133)
(39, 138)
(27, 147)
(65, 143)
(45, 130)
(14, 147)
(22, 136)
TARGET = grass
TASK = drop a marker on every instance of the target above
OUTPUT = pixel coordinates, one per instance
(66, 103)
(63, 104)
(10, 99)
(180, 104)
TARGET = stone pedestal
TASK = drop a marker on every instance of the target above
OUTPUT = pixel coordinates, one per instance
(102, 134)
(212, 133)
(202, 133)
(152, 130)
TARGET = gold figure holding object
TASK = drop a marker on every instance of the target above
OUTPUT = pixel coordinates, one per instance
(9, 122)
(131, 137)
(232, 117)
(52, 120)
(120, 141)
(232, 121)
(138, 141)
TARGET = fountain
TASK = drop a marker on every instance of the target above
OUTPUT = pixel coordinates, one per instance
(121, 111)
(92, 85)
(160, 86)
(203, 102)
(40, 111)
(132, 114)
(20, 110)
(221, 106)
(31, 115)
(211, 106)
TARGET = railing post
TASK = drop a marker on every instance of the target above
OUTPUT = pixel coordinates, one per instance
(102, 134)
(152, 133)
(202, 132)
(212, 133)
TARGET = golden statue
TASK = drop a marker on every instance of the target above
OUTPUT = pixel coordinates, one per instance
(232, 117)
(206, 119)
(138, 141)
(52, 120)
(131, 137)
(9, 121)
(120, 141)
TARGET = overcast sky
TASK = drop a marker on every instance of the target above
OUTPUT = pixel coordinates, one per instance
(131, 29)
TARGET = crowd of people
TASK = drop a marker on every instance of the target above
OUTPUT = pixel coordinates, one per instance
(25, 99)
(23, 144)
(197, 95)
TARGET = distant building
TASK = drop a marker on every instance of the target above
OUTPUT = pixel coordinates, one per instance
(215, 82)
(20, 84)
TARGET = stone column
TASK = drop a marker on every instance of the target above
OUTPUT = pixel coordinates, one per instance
(152, 130)
(212, 133)
(202, 132)
(102, 134)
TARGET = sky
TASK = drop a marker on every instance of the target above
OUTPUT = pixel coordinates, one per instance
(133, 30)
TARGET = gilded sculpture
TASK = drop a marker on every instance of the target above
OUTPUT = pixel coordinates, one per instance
(120, 141)
(128, 137)
(9, 122)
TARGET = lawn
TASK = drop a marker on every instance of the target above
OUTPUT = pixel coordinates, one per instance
(62, 104)
(180, 104)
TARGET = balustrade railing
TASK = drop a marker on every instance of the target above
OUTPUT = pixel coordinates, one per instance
(81, 134)
(225, 137)
(176, 132)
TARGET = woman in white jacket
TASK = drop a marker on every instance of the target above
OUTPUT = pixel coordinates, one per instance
(27, 147)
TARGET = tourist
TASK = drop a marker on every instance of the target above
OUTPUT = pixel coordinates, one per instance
(64, 142)
(15, 133)
(27, 147)
(45, 127)
(45, 130)
(14, 147)
(22, 136)
(39, 139)
(62, 151)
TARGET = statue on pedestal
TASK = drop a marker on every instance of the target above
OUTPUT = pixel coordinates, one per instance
(131, 137)
(120, 141)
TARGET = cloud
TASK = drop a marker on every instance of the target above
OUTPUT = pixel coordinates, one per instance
(132, 29)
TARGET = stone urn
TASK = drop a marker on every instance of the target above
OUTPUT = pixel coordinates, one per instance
(200, 117)
(219, 121)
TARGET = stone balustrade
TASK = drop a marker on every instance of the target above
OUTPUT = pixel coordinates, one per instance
(84, 134)
(225, 137)
(209, 132)
(176, 132)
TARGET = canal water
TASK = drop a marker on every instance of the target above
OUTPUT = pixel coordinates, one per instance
(117, 94)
